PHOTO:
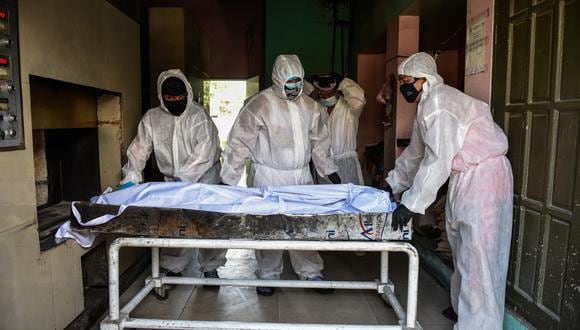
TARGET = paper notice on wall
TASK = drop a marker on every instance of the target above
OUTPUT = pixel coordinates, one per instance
(475, 45)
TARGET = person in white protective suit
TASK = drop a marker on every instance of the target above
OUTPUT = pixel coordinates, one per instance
(343, 101)
(186, 146)
(454, 136)
(280, 130)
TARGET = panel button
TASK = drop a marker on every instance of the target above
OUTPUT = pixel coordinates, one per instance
(6, 87)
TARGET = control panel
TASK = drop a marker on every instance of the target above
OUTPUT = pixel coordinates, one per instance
(11, 127)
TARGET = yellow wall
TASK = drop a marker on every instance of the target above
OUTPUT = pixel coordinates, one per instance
(86, 42)
(57, 107)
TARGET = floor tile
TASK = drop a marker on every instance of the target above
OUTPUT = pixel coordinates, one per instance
(171, 308)
(231, 304)
(432, 300)
(382, 312)
(308, 306)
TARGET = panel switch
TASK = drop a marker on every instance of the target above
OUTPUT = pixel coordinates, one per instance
(8, 118)
(4, 104)
(8, 134)
(5, 42)
(6, 87)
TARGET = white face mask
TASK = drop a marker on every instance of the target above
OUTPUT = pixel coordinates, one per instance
(329, 102)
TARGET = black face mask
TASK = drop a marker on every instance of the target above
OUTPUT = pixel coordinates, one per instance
(176, 107)
(174, 86)
(409, 91)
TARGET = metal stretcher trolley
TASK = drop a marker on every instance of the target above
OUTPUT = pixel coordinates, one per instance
(156, 228)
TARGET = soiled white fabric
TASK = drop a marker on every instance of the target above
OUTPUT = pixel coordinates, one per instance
(279, 136)
(65, 232)
(454, 135)
(343, 125)
(186, 147)
(318, 199)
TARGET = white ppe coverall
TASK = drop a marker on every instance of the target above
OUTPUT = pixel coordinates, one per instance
(454, 136)
(186, 149)
(279, 136)
(343, 125)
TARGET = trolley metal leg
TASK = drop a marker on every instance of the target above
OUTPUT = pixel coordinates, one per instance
(119, 318)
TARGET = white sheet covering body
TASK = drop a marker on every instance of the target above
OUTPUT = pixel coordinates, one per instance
(305, 199)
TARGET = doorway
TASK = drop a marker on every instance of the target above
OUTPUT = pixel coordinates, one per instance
(536, 97)
(224, 99)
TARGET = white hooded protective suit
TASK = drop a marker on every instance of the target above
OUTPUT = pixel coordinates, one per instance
(280, 137)
(343, 125)
(454, 136)
(186, 149)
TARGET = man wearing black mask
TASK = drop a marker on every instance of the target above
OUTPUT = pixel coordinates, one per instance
(174, 95)
(186, 145)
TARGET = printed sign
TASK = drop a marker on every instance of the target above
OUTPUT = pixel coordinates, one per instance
(475, 45)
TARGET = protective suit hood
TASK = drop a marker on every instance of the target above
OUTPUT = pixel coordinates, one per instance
(285, 67)
(177, 74)
(421, 65)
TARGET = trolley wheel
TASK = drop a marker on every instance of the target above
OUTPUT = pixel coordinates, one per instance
(161, 293)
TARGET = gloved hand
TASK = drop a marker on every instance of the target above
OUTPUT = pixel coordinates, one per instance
(401, 217)
(126, 185)
(388, 189)
(334, 178)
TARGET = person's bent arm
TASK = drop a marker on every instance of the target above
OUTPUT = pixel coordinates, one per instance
(406, 166)
(320, 143)
(241, 142)
(353, 94)
(205, 152)
(138, 152)
(443, 140)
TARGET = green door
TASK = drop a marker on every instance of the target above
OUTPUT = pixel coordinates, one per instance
(536, 97)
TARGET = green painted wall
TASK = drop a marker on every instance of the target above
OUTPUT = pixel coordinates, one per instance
(303, 27)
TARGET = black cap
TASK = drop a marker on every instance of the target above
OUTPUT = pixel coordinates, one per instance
(173, 86)
(326, 81)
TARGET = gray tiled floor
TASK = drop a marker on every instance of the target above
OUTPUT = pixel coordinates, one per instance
(300, 305)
